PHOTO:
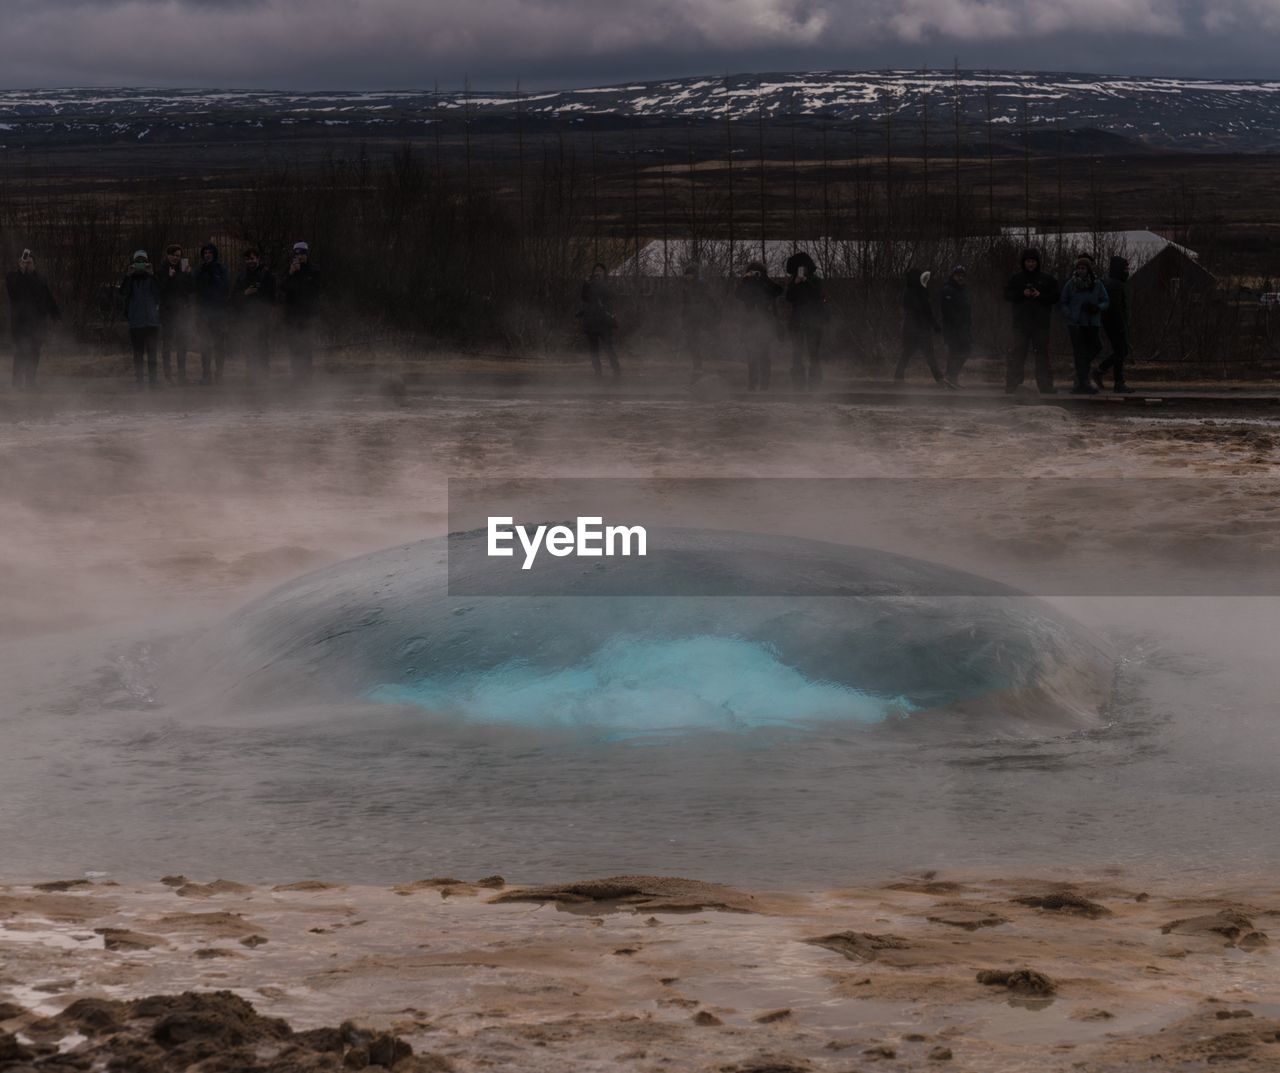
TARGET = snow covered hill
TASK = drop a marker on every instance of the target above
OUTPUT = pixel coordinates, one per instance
(1158, 112)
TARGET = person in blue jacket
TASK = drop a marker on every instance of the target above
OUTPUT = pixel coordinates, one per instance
(1084, 298)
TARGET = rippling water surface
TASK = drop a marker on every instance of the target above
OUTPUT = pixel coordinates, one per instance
(380, 793)
(98, 773)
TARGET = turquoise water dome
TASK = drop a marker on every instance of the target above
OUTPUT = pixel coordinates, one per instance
(730, 631)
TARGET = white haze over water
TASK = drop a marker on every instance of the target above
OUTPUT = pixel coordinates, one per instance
(129, 534)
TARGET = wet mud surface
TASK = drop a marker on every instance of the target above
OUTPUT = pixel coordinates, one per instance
(443, 974)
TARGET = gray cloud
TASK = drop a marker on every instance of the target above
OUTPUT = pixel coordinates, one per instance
(311, 43)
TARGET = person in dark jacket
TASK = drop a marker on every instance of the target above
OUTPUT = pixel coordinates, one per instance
(758, 296)
(598, 321)
(957, 324)
(254, 293)
(300, 293)
(177, 288)
(1032, 294)
(919, 325)
(31, 307)
(1115, 323)
(1084, 299)
(808, 318)
(211, 311)
(697, 315)
(141, 294)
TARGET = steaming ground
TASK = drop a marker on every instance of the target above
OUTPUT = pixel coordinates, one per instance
(132, 527)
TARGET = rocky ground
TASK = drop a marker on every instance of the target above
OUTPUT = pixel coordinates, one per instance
(642, 973)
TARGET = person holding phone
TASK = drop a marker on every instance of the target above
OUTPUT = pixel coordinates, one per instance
(31, 307)
(1032, 294)
(177, 288)
(300, 294)
(808, 318)
(758, 297)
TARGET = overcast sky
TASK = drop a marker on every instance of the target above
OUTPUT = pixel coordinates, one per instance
(311, 44)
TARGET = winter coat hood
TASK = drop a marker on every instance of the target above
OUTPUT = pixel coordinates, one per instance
(798, 260)
(1119, 268)
(916, 279)
(1030, 254)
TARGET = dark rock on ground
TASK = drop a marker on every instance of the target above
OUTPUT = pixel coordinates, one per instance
(968, 919)
(1231, 924)
(96, 1016)
(937, 886)
(1020, 981)
(651, 893)
(1065, 902)
(216, 1032)
(124, 939)
(860, 945)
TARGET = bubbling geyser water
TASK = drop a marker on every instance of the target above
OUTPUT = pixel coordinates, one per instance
(385, 628)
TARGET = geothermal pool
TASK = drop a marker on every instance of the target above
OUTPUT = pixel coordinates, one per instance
(256, 719)
(697, 637)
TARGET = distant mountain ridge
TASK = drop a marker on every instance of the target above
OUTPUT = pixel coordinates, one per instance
(1161, 113)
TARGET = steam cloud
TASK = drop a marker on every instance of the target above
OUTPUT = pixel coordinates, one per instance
(409, 42)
